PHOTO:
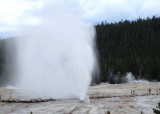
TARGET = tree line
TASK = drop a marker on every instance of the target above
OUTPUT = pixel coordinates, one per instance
(129, 46)
(125, 46)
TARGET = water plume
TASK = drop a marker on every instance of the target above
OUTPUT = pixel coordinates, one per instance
(55, 56)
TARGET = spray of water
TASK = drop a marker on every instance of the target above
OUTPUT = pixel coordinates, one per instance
(55, 57)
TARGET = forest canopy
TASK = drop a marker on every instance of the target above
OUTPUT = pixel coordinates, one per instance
(129, 46)
(125, 46)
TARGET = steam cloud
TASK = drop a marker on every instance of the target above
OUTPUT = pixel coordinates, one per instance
(129, 77)
(55, 57)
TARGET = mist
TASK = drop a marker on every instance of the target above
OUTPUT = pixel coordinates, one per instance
(129, 77)
(55, 56)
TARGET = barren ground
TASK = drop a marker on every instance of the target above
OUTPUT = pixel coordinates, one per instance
(105, 97)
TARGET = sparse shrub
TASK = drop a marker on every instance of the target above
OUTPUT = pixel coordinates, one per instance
(157, 109)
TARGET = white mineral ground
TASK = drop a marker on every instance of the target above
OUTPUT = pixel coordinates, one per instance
(116, 105)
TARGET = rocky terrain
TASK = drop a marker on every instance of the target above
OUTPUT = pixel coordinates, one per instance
(116, 98)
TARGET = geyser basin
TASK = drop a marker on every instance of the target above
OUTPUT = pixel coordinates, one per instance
(56, 57)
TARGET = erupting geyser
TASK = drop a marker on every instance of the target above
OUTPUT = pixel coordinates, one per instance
(56, 57)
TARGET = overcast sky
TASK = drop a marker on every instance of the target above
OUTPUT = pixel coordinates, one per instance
(92, 11)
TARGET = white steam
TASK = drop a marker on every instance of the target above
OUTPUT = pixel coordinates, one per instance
(129, 77)
(55, 57)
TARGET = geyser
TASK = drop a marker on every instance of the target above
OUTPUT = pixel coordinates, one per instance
(56, 57)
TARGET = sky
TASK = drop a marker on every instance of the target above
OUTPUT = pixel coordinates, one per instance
(90, 11)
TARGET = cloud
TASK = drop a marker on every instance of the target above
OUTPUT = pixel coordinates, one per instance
(12, 9)
(116, 10)
(92, 11)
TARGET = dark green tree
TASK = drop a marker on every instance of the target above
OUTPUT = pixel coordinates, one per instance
(157, 110)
